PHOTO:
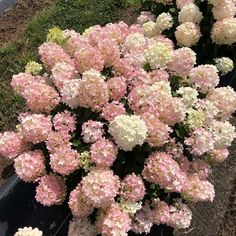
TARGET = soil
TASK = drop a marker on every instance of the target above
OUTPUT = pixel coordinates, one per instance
(12, 22)
(209, 219)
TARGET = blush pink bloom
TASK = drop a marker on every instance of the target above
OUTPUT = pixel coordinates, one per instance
(224, 99)
(70, 93)
(30, 166)
(137, 77)
(11, 145)
(111, 110)
(64, 121)
(160, 212)
(180, 216)
(183, 61)
(100, 187)
(78, 203)
(51, 190)
(93, 91)
(204, 77)
(157, 75)
(114, 222)
(109, 50)
(88, 58)
(171, 110)
(201, 168)
(62, 72)
(158, 132)
(64, 160)
(132, 188)
(21, 80)
(145, 16)
(41, 97)
(103, 152)
(200, 142)
(181, 3)
(51, 54)
(161, 169)
(217, 156)
(74, 42)
(142, 221)
(92, 131)
(198, 190)
(117, 88)
(57, 139)
(35, 128)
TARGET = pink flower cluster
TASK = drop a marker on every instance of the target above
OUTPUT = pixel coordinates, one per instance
(30, 166)
(100, 187)
(51, 190)
(114, 221)
(92, 131)
(78, 204)
(122, 113)
(132, 188)
(35, 128)
(163, 170)
(103, 152)
(64, 160)
(11, 144)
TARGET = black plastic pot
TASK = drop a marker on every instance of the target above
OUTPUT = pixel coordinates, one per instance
(18, 208)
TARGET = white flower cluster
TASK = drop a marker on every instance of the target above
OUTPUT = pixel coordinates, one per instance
(128, 131)
(190, 13)
(130, 206)
(28, 231)
(149, 29)
(187, 34)
(223, 133)
(189, 95)
(164, 22)
(133, 41)
(224, 65)
(159, 55)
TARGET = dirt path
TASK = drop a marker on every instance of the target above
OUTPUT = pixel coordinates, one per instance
(12, 22)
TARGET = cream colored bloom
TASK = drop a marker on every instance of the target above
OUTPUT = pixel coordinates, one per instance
(187, 34)
(190, 13)
(224, 65)
(164, 22)
(28, 231)
(159, 55)
(149, 29)
(128, 131)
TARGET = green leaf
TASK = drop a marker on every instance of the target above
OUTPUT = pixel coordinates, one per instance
(147, 67)
(132, 2)
(76, 143)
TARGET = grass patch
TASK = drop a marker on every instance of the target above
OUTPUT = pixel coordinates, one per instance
(67, 14)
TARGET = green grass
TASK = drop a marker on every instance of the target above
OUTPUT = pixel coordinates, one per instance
(67, 14)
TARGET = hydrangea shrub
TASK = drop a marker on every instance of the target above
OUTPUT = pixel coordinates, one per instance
(123, 123)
